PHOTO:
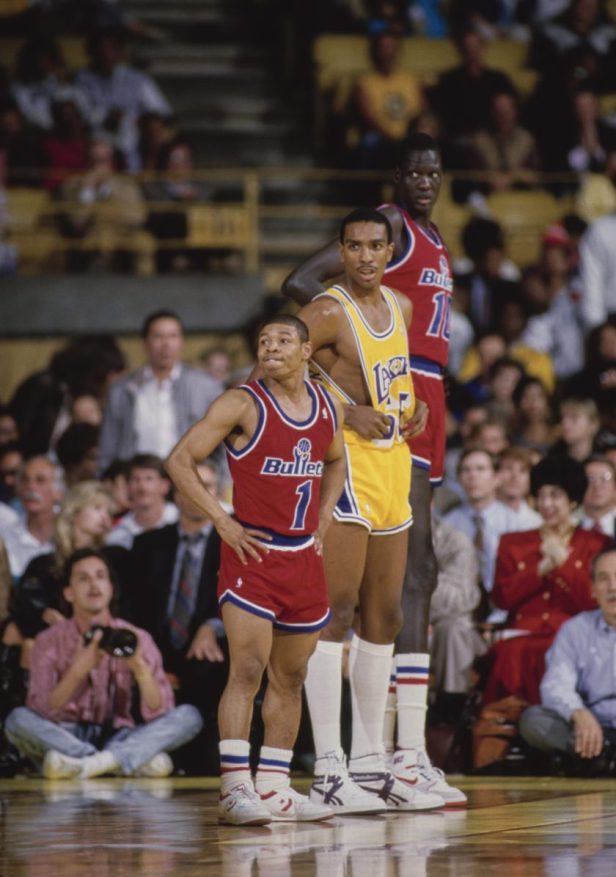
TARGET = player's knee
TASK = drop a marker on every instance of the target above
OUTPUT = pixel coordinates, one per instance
(247, 672)
(343, 616)
(392, 620)
(290, 680)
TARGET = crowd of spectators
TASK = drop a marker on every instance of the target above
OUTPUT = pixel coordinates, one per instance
(532, 387)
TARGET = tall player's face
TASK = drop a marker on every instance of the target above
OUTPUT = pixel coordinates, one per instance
(418, 179)
(365, 253)
(281, 352)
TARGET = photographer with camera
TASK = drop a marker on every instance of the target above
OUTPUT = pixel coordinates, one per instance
(78, 721)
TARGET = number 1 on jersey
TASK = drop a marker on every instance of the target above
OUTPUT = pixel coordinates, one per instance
(304, 490)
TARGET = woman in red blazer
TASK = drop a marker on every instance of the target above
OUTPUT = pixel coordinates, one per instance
(542, 578)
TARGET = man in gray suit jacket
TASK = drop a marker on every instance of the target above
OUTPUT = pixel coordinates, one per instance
(149, 409)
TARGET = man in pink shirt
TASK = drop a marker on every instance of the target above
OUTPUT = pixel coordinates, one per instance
(77, 720)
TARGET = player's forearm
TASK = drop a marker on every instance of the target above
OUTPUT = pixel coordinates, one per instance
(334, 473)
(301, 287)
(182, 469)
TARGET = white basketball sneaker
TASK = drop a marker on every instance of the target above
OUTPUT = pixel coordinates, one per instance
(413, 767)
(287, 805)
(57, 766)
(242, 806)
(334, 787)
(395, 794)
(158, 766)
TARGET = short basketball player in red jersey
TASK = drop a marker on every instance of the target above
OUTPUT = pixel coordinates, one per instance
(286, 455)
(421, 270)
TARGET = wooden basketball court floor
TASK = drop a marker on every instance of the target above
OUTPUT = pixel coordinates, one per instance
(519, 827)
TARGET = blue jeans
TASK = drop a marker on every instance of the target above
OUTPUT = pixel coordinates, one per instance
(133, 747)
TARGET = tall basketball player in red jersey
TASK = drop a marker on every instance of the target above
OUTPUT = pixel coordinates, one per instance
(286, 455)
(421, 270)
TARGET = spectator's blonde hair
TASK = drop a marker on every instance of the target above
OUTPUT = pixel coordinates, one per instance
(77, 498)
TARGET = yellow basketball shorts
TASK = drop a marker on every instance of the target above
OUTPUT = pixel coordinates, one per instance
(376, 490)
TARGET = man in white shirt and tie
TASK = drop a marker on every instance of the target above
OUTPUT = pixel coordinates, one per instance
(599, 505)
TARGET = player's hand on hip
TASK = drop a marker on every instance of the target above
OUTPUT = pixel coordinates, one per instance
(245, 541)
(418, 422)
(367, 422)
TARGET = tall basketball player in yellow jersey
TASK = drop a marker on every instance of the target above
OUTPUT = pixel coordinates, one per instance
(358, 331)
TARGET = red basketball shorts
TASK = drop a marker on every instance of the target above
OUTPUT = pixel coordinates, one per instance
(428, 449)
(288, 587)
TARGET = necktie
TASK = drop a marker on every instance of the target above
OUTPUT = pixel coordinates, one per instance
(188, 581)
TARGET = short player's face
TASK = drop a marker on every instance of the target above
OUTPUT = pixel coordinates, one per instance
(281, 352)
(418, 179)
(365, 253)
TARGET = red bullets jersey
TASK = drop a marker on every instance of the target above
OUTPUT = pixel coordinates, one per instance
(423, 274)
(277, 475)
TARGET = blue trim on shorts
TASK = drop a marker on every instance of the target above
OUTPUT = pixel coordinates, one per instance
(427, 366)
(304, 628)
(280, 539)
(229, 597)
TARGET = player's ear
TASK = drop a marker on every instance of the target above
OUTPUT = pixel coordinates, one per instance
(390, 251)
(307, 349)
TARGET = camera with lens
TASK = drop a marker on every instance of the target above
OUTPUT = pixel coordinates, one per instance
(119, 642)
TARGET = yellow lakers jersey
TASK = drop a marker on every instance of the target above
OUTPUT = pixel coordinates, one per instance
(385, 363)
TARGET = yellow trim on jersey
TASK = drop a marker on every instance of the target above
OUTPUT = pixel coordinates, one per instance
(385, 364)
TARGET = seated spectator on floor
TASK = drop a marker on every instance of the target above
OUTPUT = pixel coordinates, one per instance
(172, 595)
(491, 435)
(599, 505)
(83, 522)
(579, 425)
(118, 93)
(455, 640)
(43, 403)
(148, 489)
(504, 150)
(542, 578)
(39, 489)
(155, 131)
(77, 452)
(217, 363)
(385, 102)
(591, 139)
(149, 409)
(78, 721)
(514, 465)
(533, 426)
(577, 714)
(105, 212)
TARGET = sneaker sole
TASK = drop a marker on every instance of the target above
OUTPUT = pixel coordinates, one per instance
(350, 810)
(258, 820)
(303, 818)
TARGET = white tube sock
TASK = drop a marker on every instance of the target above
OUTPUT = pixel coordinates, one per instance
(323, 687)
(369, 670)
(412, 673)
(389, 727)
